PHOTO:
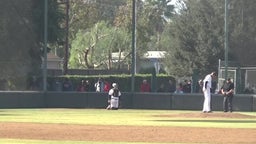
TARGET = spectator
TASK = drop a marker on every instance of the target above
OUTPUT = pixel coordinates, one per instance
(107, 86)
(161, 88)
(57, 85)
(99, 85)
(187, 86)
(248, 90)
(81, 87)
(67, 85)
(199, 86)
(145, 87)
(34, 83)
(179, 89)
(89, 87)
(171, 87)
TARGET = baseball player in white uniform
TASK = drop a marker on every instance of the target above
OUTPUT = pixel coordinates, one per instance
(114, 97)
(207, 85)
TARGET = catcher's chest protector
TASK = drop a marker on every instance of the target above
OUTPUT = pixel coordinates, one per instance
(116, 91)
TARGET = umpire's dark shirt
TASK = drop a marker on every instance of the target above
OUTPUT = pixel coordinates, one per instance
(228, 86)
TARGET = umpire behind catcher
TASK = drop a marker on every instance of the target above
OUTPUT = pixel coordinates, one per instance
(227, 91)
(114, 96)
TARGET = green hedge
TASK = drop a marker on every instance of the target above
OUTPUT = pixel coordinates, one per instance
(123, 80)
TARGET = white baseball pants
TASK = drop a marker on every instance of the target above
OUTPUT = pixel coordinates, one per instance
(207, 100)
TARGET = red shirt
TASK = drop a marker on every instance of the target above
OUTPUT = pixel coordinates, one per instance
(107, 86)
(145, 87)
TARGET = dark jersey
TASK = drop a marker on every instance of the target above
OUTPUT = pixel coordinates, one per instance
(228, 86)
(116, 92)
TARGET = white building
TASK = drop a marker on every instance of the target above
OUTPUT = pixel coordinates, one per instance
(152, 59)
(53, 61)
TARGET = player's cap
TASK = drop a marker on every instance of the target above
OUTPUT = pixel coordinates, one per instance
(114, 85)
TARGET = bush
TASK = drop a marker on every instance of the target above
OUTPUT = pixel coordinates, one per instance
(123, 80)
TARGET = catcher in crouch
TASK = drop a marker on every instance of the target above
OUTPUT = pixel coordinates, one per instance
(114, 96)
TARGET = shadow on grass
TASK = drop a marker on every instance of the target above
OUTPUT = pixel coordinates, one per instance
(2, 113)
(210, 121)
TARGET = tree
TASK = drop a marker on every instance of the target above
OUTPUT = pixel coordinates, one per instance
(15, 42)
(21, 27)
(156, 14)
(85, 14)
(55, 19)
(196, 39)
(242, 31)
(55, 31)
(93, 49)
(196, 36)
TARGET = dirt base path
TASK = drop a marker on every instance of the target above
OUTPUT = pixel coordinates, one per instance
(125, 133)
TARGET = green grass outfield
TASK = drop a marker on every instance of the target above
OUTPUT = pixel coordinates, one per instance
(119, 117)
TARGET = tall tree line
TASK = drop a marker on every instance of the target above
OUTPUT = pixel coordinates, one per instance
(193, 36)
(196, 36)
(21, 39)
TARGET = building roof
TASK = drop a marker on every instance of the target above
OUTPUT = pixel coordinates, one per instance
(154, 54)
(115, 55)
(147, 55)
(53, 57)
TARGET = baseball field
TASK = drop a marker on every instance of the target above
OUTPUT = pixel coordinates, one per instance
(100, 126)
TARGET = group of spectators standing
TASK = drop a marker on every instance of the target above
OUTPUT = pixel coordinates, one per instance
(170, 87)
(87, 86)
(102, 85)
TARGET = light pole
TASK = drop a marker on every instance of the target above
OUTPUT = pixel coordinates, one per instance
(133, 44)
(45, 45)
(226, 38)
(66, 48)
